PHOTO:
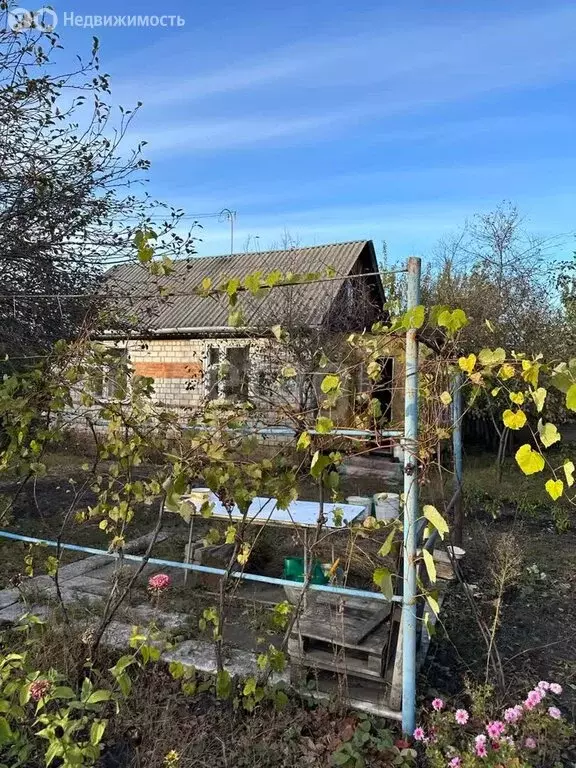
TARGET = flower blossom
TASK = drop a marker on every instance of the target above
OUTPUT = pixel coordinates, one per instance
(543, 685)
(461, 716)
(530, 743)
(480, 745)
(39, 689)
(437, 704)
(555, 688)
(534, 698)
(513, 714)
(456, 762)
(159, 582)
(555, 713)
(495, 729)
(419, 734)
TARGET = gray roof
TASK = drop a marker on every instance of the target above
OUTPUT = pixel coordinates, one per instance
(310, 301)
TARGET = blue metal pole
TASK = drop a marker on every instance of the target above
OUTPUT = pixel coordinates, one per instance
(458, 452)
(333, 589)
(409, 619)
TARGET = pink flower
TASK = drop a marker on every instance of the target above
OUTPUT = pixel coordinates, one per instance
(555, 713)
(513, 714)
(530, 743)
(456, 762)
(419, 734)
(495, 729)
(508, 740)
(480, 745)
(437, 704)
(555, 688)
(534, 698)
(543, 685)
(461, 716)
(159, 582)
(39, 689)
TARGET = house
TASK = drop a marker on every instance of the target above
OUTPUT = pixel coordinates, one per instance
(185, 343)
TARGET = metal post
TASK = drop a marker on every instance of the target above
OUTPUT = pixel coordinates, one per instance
(409, 622)
(457, 450)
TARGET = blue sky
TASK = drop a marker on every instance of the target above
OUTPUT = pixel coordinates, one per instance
(339, 121)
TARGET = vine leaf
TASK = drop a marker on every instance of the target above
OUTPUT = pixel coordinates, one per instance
(548, 434)
(435, 518)
(528, 460)
(514, 419)
(569, 472)
(555, 488)
(430, 565)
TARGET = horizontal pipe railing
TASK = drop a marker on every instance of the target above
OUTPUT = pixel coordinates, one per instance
(345, 591)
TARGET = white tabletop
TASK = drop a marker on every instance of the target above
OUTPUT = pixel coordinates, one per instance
(300, 513)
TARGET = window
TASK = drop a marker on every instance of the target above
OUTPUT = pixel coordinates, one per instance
(111, 382)
(228, 373)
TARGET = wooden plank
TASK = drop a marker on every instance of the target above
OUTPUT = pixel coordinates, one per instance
(330, 663)
(342, 628)
(371, 625)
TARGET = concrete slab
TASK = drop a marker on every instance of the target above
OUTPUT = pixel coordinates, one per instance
(146, 614)
(13, 613)
(82, 566)
(88, 584)
(8, 597)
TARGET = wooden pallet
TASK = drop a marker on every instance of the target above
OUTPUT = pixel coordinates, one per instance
(347, 640)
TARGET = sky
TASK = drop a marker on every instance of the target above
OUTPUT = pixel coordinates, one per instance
(336, 121)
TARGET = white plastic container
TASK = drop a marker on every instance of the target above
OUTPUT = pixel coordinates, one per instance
(361, 501)
(386, 506)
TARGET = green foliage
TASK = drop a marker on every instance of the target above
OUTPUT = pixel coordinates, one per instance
(369, 738)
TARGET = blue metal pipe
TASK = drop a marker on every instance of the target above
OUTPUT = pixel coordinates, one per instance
(409, 613)
(345, 591)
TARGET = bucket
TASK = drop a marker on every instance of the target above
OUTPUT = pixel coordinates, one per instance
(198, 496)
(361, 501)
(294, 571)
(386, 505)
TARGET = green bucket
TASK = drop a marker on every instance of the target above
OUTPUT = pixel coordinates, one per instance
(294, 571)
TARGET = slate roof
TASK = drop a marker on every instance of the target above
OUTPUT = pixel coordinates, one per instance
(311, 301)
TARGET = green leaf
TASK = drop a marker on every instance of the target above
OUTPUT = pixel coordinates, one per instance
(288, 372)
(414, 318)
(452, 321)
(236, 318)
(277, 331)
(303, 441)
(324, 425)
(249, 686)
(97, 731)
(514, 419)
(230, 534)
(63, 692)
(571, 398)
(430, 565)
(223, 684)
(386, 548)
(491, 357)
(548, 434)
(382, 577)
(435, 519)
(555, 488)
(318, 464)
(5, 731)
(206, 284)
(528, 460)
(97, 696)
(330, 383)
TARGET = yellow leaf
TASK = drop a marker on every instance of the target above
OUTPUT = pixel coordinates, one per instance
(548, 433)
(528, 460)
(476, 378)
(571, 398)
(430, 565)
(555, 488)
(435, 518)
(489, 326)
(517, 397)
(514, 420)
(569, 472)
(446, 398)
(539, 396)
(495, 391)
(530, 371)
(433, 603)
(467, 363)
(506, 372)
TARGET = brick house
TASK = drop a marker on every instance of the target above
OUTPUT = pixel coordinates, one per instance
(184, 342)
